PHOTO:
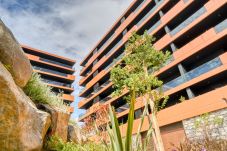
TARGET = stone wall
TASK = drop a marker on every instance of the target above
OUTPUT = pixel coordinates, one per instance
(214, 122)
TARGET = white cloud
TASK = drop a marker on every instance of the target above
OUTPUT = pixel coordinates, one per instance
(70, 28)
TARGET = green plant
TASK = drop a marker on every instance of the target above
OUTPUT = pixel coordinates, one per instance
(136, 75)
(54, 143)
(40, 92)
(182, 99)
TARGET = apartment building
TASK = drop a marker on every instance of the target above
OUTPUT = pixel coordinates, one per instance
(195, 33)
(55, 70)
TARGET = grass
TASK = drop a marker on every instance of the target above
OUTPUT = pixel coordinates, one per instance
(40, 92)
(54, 143)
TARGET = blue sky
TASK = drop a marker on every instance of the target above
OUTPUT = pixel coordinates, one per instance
(65, 27)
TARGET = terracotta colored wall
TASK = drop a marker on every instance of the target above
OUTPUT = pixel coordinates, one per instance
(172, 135)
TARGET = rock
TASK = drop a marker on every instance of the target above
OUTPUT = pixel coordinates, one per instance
(59, 121)
(22, 125)
(13, 57)
(74, 134)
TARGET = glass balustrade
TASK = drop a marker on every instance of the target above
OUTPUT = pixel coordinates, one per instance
(139, 6)
(82, 89)
(113, 49)
(221, 26)
(50, 71)
(154, 26)
(57, 83)
(150, 12)
(188, 21)
(90, 95)
(105, 99)
(55, 62)
(105, 43)
(212, 64)
(114, 61)
(103, 85)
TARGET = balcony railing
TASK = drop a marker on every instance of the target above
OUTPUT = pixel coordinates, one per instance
(188, 21)
(140, 5)
(212, 64)
(50, 71)
(106, 42)
(150, 12)
(105, 99)
(82, 89)
(221, 26)
(103, 85)
(115, 60)
(116, 45)
(57, 83)
(55, 62)
(154, 26)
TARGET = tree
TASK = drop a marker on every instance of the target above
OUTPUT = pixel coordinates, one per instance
(136, 75)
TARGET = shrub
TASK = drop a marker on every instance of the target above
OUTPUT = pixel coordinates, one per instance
(40, 92)
(203, 145)
(54, 143)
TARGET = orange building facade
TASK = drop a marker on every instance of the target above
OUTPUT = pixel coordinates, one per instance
(195, 31)
(55, 70)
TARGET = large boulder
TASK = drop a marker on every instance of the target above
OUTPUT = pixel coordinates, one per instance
(74, 134)
(59, 121)
(22, 125)
(13, 57)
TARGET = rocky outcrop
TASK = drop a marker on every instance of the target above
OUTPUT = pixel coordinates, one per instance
(13, 57)
(22, 125)
(74, 134)
(59, 121)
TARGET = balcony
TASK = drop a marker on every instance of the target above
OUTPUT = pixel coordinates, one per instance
(102, 86)
(221, 26)
(114, 62)
(50, 71)
(109, 39)
(188, 21)
(57, 83)
(140, 6)
(193, 74)
(150, 30)
(55, 62)
(113, 49)
(149, 13)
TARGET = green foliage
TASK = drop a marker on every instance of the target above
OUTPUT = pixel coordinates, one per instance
(204, 121)
(140, 57)
(182, 99)
(40, 92)
(54, 143)
(136, 74)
